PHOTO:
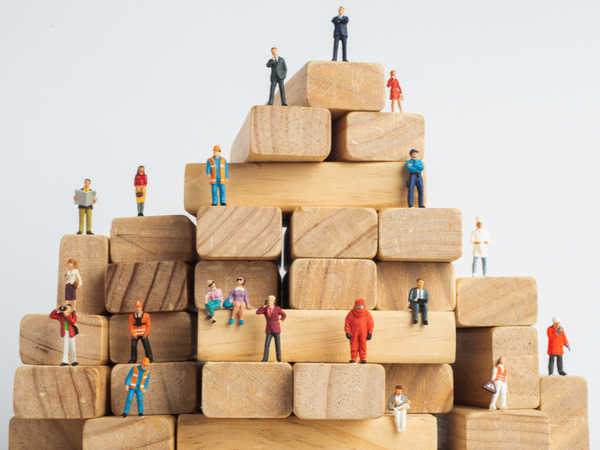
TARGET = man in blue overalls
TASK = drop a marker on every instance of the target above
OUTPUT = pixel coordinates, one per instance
(415, 167)
(217, 173)
(137, 383)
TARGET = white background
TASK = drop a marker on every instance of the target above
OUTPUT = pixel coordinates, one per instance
(509, 91)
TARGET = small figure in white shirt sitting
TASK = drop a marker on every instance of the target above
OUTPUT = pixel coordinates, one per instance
(480, 239)
(500, 378)
(399, 404)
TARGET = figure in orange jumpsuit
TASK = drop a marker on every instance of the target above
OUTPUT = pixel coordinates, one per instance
(359, 329)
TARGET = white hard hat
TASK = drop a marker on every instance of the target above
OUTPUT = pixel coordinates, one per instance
(555, 319)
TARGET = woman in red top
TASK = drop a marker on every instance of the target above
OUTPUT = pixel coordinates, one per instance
(396, 92)
(140, 183)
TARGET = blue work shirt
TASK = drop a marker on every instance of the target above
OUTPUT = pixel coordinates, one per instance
(417, 166)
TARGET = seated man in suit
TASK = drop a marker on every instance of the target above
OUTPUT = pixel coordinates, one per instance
(274, 315)
(418, 298)
(340, 33)
(278, 74)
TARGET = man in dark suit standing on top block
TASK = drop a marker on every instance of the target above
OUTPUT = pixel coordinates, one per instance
(278, 74)
(340, 33)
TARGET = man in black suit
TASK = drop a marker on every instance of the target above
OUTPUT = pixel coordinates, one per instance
(340, 33)
(278, 74)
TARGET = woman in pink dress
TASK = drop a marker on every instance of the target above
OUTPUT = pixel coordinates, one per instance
(396, 92)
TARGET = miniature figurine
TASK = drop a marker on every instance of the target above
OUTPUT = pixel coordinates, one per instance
(274, 315)
(340, 33)
(359, 329)
(137, 383)
(239, 297)
(500, 378)
(68, 330)
(557, 339)
(278, 74)
(414, 167)
(480, 239)
(140, 182)
(396, 91)
(86, 205)
(418, 298)
(139, 328)
(217, 178)
(212, 300)
(399, 404)
(73, 282)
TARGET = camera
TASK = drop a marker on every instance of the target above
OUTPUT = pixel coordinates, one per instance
(62, 308)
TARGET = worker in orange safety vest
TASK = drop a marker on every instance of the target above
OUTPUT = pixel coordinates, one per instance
(500, 378)
(139, 328)
(137, 383)
(218, 174)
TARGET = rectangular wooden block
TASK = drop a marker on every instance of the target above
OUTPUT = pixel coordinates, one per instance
(565, 401)
(334, 233)
(289, 186)
(48, 392)
(396, 279)
(118, 433)
(172, 337)
(283, 133)
(40, 434)
(478, 351)
(378, 136)
(318, 336)
(173, 388)
(40, 342)
(239, 233)
(153, 238)
(91, 253)
(417, 234)
(496, 301)
(261, 390)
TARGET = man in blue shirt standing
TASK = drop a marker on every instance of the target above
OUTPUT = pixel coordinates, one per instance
(137, 383)
(218, 174)
(415, 167)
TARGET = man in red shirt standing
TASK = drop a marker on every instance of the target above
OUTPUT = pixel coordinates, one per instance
(557, 339)
(274, 315)
(67, 318)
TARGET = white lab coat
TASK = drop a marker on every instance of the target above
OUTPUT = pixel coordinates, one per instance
(480, 235)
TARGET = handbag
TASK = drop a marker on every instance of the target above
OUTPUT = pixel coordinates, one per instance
(139, 194)
(75, 329)
(490, 386)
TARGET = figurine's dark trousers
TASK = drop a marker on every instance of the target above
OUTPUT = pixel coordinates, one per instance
(415, 180)
(147, 349)
(281, 91)
(268, 345)
(416, 307)
(559, 363)
(336, 42)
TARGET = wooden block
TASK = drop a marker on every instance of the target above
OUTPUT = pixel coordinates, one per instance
(496, 301)
(332, 283)
(239, 233)
(334, 233)
(478, 351)
(283, 133)
(40, 342)
(429, 387)
(47, 392)
(153, 238)
(91, 254)
(396, 279)
(565, 401)
(55, 434)
(318, 336)
(262, 390)
(160, 286)
(289, 186)
(197, 431)
(430, 235)
(173, 388)
(172, 337)
(468, 428)
(378, 136)
(118, 433)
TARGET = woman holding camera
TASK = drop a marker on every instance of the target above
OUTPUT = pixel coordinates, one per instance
(239, 296)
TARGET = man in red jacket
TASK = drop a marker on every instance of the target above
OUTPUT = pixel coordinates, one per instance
(557, 339)
(274, 315)
(67, 318)
(359, 329)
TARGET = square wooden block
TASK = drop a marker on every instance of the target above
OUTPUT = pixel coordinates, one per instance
(118, 433)
(55, 434)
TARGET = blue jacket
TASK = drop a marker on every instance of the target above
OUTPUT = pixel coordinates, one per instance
(340, 28)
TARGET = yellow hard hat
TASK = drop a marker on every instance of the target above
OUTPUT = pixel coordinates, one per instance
(216, 147)
(145, 361)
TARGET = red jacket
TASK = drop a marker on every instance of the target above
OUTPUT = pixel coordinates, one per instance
(140, 180)
(71, 319)
(556, 341)
(273, 321)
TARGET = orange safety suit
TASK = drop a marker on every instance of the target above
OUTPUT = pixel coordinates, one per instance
(141, 330)
(359, 323)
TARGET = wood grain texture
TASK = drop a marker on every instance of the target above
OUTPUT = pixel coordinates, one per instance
(40, 342)
(239, 233)
(289, 186)
(429, 387)
(247, 390)
(478, 351)
(334, 233)
(396, 279)
(417, 234)
(496, 301)
(377, 136)
(283, 133)
(318, 336)
(91, 254)
(41, 434)
(152, 238)
(138, 433)
(47, 392)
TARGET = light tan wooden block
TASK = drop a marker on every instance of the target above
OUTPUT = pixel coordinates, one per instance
(197, 431)
(247, 390)
(239, 233)
(429, 387)
(172, 337)
(40, 342)
(91, 254)
(41, 434)
(334, 233)
(153, 238)
(417, 234)
(396, 279)
(47, 392)
(173, 388)
(289, 186)
(478, 351)
(565, 401)
(378, 136)
(318, 336)
(283, 133)
(496, 301)
(468, 428)
(118, 433)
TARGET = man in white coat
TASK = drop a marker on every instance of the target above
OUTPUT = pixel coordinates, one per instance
(500, 377)
(480, 239)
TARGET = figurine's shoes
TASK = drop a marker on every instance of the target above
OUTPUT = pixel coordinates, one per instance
(141, 415)
(564, 374)
(421, 207)
(214, 321)
(64, 364)
(79, 232)
(124, 414)
(264, 360)
(241, 322)
(89, 232)
(223, 204)
(364, 361)
(410, 207)
(415, 322)
(352, 361)
(503, 408)
(214, 204)
(550, 374)
(473, 275)
(230, 321)
(425, 322)
(284, 104)
(131, 361)
(75, 364)
(492, 408)
(209, 317)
